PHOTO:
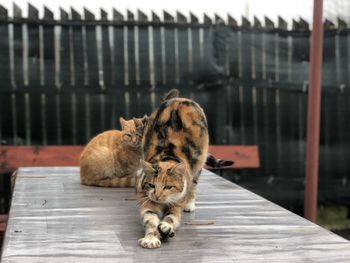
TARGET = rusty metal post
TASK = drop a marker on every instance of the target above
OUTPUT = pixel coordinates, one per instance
(313, 113)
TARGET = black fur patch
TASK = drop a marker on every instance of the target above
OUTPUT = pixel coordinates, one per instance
(192, 151)
(187, 151)
(189, 103)
(167, 150)
(175, 121)
(169, 158)
(151, 128)
(194, 147)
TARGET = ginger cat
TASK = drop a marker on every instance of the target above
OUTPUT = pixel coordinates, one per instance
(112, 158)
(175, 146)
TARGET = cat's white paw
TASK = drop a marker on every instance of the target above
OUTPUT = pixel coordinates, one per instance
(190, 206)
(166, 229)
(149, 242)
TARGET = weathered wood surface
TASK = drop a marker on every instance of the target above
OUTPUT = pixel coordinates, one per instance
(243, 156)
(12, 157)
(55, 219)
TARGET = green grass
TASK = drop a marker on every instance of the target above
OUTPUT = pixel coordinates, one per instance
(333, 217)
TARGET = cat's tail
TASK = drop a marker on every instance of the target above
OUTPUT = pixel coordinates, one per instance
(173, 93)
(217, 163)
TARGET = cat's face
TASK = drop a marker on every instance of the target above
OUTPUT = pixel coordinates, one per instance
(164, 182)
(132, 131)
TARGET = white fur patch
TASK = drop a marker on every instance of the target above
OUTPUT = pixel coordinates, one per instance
(149, 242)
(139, 173)
(190, 206)
(176, 197)
(152, 218)
(175, 220)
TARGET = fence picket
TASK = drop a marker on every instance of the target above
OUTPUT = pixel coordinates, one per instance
(62, 82)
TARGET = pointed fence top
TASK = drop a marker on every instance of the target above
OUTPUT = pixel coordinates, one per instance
(88, 16)
(282, 24)
(207, 20)
(17, 11)
(328, 24)
(3, 13)
(117, 16)
(180, 18)
(295, 24)
(63, 15)
(257, 23)
(219, 20)
(130, 15)
(142, 17)
(155, 17)
(48, 14)
(104, 15)
(245, 22)
(231, 21)
(303, 24)
(74, 14)
(168, 17)
(33, 13)
(268, 23)
(341, 24)
(193, 19)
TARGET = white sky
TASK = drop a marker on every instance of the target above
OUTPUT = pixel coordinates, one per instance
(271, 8)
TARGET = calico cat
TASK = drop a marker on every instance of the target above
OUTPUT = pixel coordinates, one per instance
(175, 146)
(112, 158)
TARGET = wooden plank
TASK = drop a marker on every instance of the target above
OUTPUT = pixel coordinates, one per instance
(119, 57)
(54, 217)
(107, 56)
(5, 77)
(12, 157)
(243, 156)
(157, 63)
(90, 44)
(143, 63)
(3, 223)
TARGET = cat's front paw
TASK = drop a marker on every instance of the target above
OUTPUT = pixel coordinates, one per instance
(190, 207)
(166, 229)
(149, 242)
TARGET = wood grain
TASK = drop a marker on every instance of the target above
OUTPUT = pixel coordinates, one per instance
(12, 157)
(53, 218)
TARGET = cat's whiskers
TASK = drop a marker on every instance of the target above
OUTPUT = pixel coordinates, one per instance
(144, 200)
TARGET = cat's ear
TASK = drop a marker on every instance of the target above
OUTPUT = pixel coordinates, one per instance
(144, 120)
(123, 122)
(179, 169)
(137, 122)
(146, 166)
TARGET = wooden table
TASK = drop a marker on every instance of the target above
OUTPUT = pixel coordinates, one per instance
(55, 219)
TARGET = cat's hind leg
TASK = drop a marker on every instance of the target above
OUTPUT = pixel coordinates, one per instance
(191, 198)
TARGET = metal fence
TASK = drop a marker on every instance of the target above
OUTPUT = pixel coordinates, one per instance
(63, 81)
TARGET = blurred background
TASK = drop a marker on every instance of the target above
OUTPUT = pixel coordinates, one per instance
(70, 69)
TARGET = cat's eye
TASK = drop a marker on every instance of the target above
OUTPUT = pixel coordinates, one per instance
(128, 134)
(151, 185)
(168, 187)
